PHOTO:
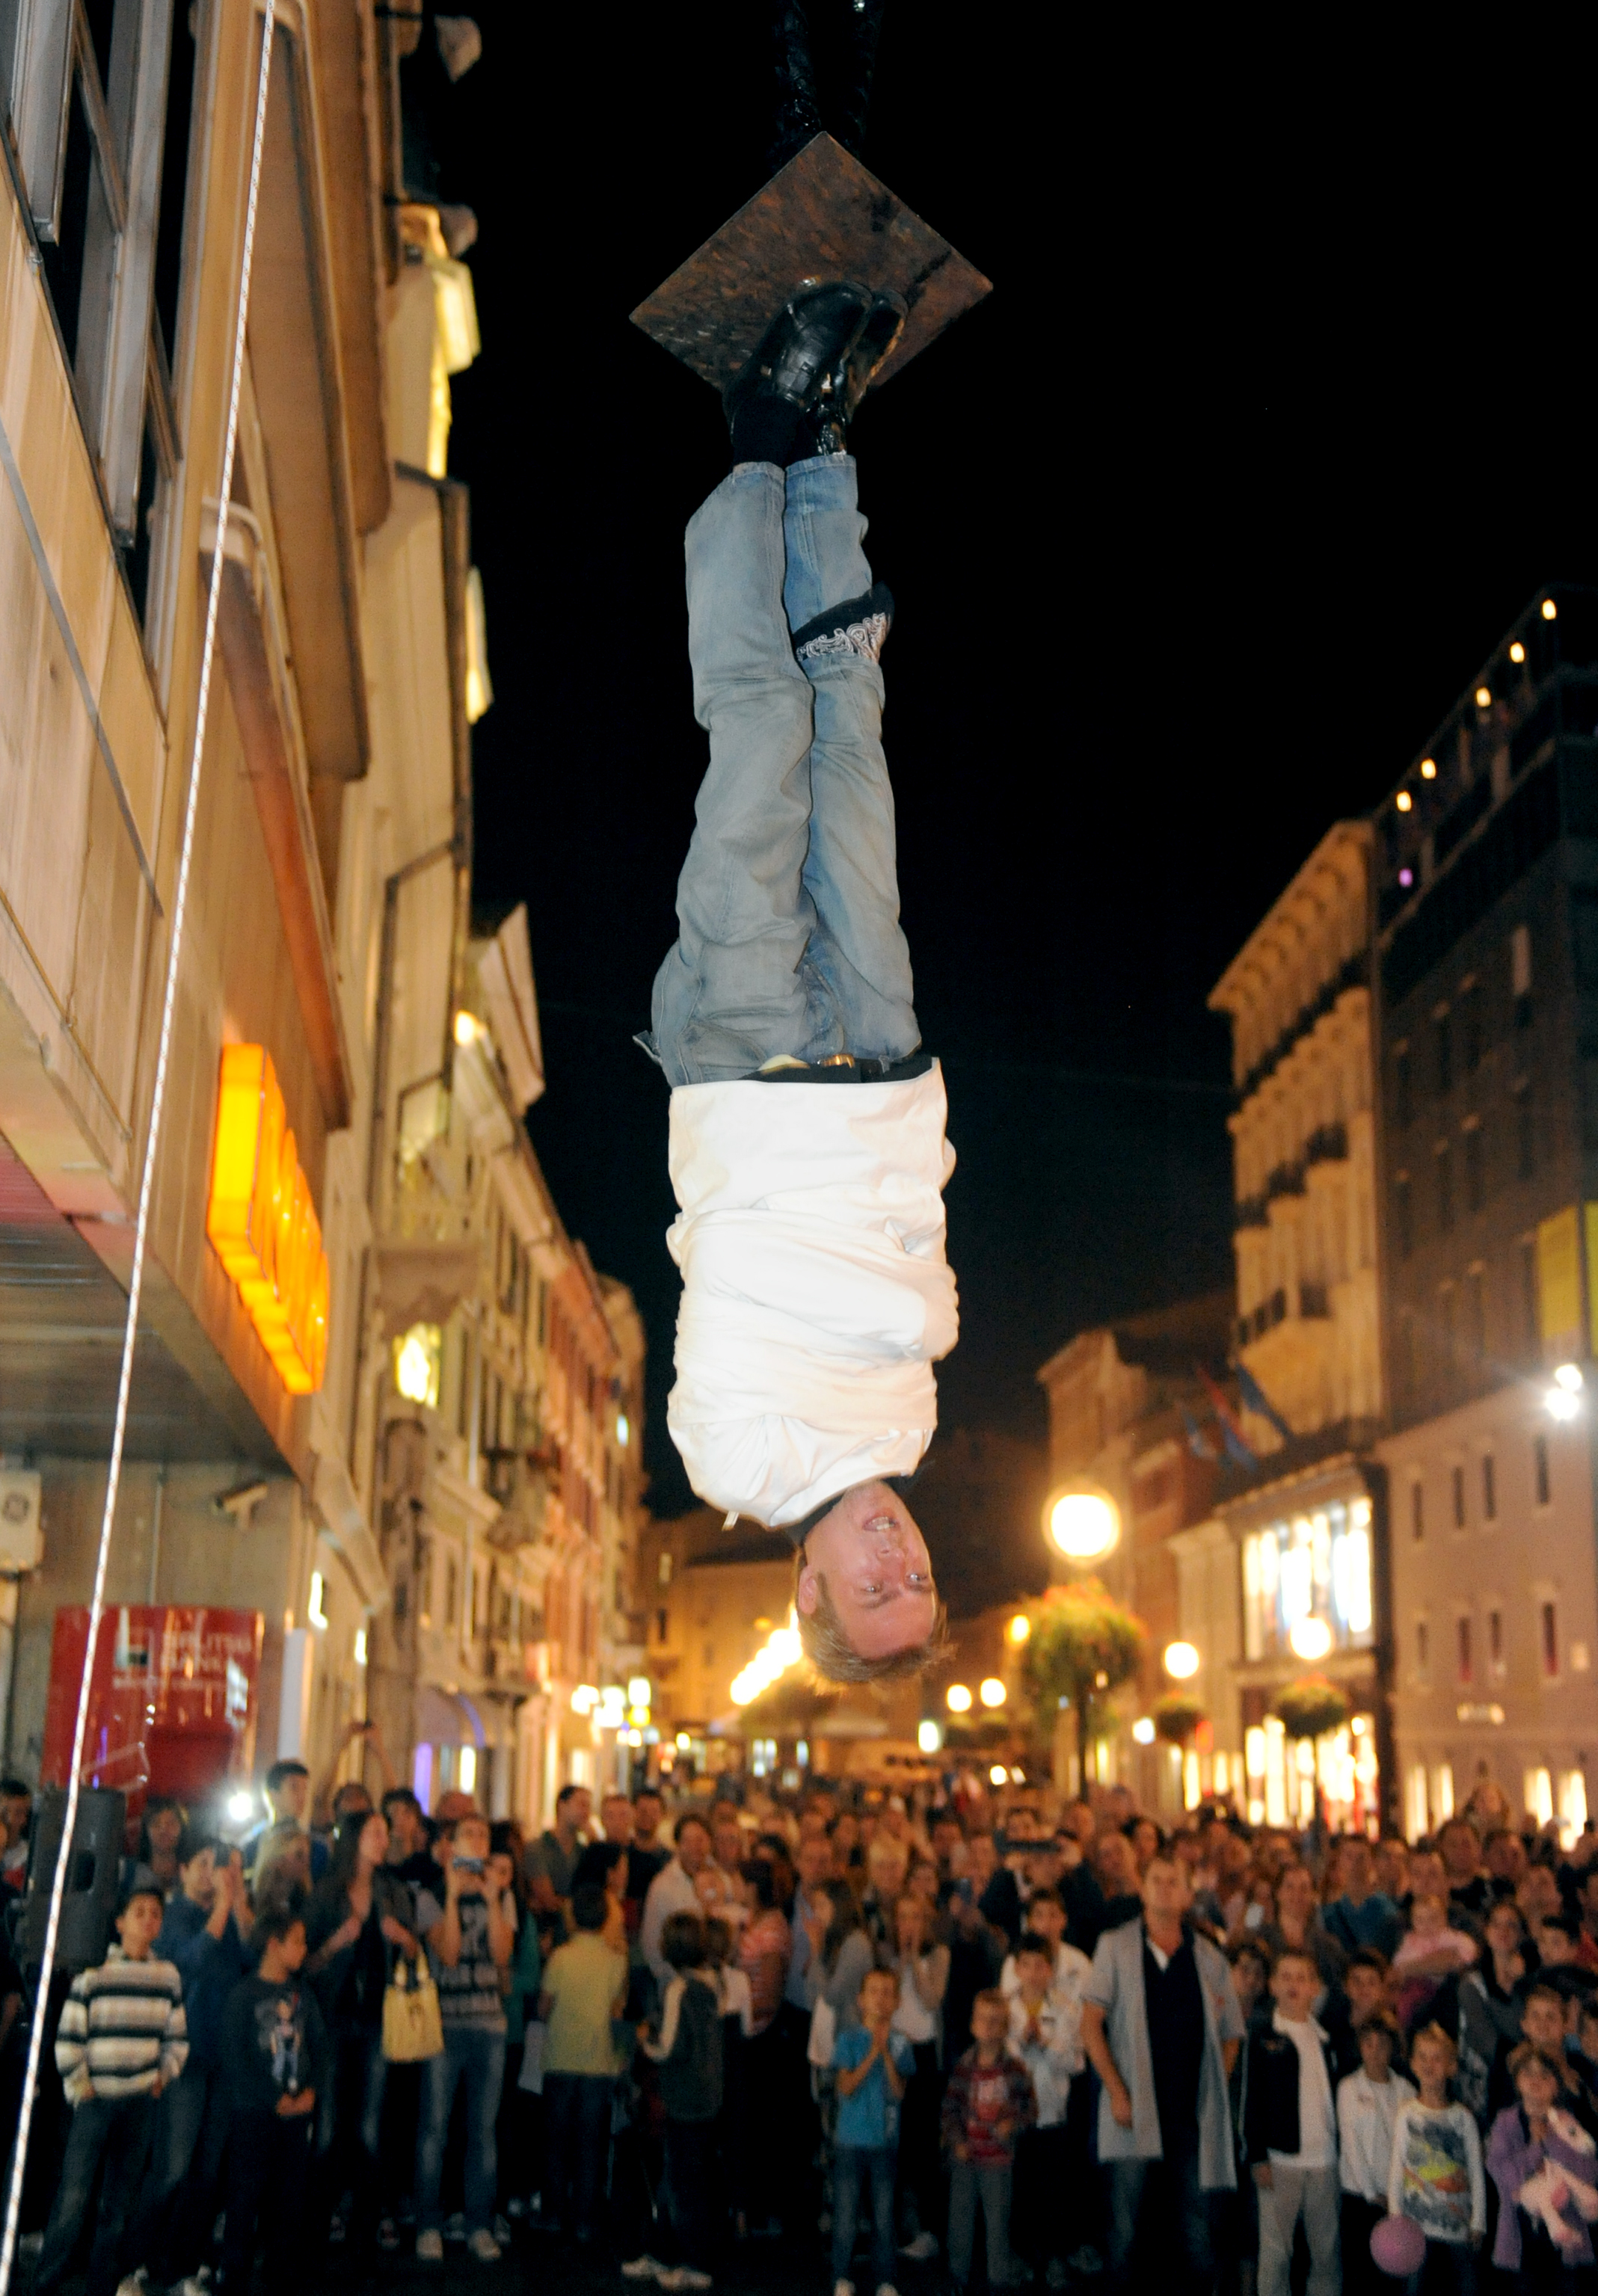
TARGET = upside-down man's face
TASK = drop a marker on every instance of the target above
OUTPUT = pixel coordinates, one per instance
(878, 1572)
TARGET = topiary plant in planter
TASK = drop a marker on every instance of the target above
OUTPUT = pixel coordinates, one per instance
(1311, 1707)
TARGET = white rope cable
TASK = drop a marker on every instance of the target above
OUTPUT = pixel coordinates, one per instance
(8, 2249)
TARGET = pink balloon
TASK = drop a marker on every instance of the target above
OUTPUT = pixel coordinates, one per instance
(1398, 2246)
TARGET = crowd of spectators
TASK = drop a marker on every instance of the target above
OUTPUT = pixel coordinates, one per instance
(971, 2038)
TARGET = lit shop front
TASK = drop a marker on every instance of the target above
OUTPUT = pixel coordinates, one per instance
(1315, 1720)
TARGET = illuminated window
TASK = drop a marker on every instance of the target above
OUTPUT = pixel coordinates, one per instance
(1313, 1567)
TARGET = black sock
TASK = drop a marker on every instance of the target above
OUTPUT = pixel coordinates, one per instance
(770, 431)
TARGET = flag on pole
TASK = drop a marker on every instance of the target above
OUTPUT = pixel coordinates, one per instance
(1257, 1400)
(1238, 1449)
(1198, 1442)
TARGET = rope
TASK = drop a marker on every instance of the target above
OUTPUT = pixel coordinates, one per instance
(8, 2249)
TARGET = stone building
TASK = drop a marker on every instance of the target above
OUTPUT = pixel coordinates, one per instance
(1487, 870)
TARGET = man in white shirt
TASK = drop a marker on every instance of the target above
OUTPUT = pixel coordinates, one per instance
(1291, 2133)
(807, 1132)
(674, 1890)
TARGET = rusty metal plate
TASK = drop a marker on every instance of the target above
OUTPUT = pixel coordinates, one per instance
(822, 217)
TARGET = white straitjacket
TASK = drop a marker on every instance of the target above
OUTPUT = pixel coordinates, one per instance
(816, 1297)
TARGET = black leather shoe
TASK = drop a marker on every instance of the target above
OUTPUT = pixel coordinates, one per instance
(851, 378)
(805, 347)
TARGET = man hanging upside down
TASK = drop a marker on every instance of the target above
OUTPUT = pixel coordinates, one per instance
(807, 1149)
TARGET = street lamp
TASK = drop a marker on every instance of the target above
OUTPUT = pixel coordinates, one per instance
(1311, 1639)
(1181, 1661)
(1082, 1521)
(1563, 1398)
(957, 1698)
(992, 1692)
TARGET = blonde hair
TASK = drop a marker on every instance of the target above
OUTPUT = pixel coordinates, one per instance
(834, 1658)
(1441, 2039)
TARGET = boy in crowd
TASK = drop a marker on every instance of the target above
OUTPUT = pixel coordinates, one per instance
(585, 1987)
(688, 2050)
(469, 1943)
(1436, 2176)
(988, 2107)
(1367, 2106)
(275, 2047)
(873, 2063)
(1046, 2033)
(1290, 2131)
(122, 2038)
(1069, 1969)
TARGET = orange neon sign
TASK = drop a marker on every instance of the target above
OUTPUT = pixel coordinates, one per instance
(263, 1223)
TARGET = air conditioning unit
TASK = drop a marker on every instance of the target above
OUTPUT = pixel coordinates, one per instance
(21, 1521)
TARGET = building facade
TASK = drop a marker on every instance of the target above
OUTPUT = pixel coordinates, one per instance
(1289, 1577)
(318, 1049)
(1486, 862)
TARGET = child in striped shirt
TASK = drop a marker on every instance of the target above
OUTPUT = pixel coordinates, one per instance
(121, 2040)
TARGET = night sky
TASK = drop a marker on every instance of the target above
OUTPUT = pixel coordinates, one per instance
(1195, 529)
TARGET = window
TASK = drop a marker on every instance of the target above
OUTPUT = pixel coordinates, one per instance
(1443, 1044)
(1311, 1566)
(1548, 1638)
(1476, 1314)
(1445, 1187)
(101, 110)
(1404, 1220)
(1417, 1510)
(1462, 1649)
(1531, 1334)
(1469, 1026)
(1474, 1189)
(1423, 1651)
(1458, 1483)
(1495, 1644)
(1526, 1147)
(1489, 1488)
(1446, 1341)
(1519, 965)
(1403, 1085)
(1539, 1467)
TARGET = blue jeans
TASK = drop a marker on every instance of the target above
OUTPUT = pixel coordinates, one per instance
(1154, 2200)
(789, 937)
(114, 2134)
(850, 2162)
(476, 2062)
(577, 2130)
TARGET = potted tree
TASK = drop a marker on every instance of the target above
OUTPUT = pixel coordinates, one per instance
(1082, 1647)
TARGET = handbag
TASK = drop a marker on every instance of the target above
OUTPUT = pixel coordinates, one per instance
(412, 2027)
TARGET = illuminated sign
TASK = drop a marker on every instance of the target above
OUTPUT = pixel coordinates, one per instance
(263, 1223)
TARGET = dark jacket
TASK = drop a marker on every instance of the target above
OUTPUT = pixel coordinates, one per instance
(210, 1967)
(274, 2043)
(690, 2072)
(327, 1909)
(1270, 2089)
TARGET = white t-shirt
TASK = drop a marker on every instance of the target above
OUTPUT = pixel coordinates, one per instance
(816, 1297)
(1317, 2122)
(1366, 2110)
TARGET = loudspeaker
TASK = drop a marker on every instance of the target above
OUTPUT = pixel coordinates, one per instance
(93, 1877)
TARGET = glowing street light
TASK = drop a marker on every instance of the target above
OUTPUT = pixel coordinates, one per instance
(1563, 1398)
(998, 1776)
(957, 1698)
(929, 1736)
(1083, 1523)
(1020, 1627)
(1143, 1730)
(993, 1691)
(1311, 1639)
(1181, 1660)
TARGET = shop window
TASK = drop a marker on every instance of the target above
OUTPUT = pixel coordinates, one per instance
(1313, 1567)
(1540, 1470)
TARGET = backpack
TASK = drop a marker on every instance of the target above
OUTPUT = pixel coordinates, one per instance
(690, 2084)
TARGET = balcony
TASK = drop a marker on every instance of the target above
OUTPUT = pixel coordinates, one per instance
(1286, 1180)
(1249, 1213)
(1313, 1299)
(522, 1481)
(1327, 1144)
